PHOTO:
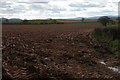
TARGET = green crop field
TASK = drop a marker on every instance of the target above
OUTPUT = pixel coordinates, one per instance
(87, 22)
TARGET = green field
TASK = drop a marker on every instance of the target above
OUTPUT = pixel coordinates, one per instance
(88, 22)
(53, 22)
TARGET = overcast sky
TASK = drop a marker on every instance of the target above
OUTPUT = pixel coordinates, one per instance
(41, 9)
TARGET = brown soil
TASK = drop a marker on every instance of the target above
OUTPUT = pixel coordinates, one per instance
(56, 52)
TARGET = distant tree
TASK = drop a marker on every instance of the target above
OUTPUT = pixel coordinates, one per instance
(25, 21)
(6, 20)
(55, 21)
(118, 19)
(112, 21)
(83, 19)
(50, 19)
(104, 20)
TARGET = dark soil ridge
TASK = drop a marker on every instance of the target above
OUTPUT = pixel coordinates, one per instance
(62, 75)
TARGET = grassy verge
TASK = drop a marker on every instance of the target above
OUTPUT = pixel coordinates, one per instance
(113, 25)
(113, 44)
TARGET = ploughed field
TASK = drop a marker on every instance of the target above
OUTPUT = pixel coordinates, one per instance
(56, 52)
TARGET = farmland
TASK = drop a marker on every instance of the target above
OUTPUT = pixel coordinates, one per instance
(54, 51)
(32, 22)
(56, 22)
(52, 22)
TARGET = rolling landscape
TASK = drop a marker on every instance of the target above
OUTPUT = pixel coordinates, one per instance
(56, 51)
(60, 48)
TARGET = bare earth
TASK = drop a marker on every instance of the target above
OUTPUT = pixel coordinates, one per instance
(54, 51)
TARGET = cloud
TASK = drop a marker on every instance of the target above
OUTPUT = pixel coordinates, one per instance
(81, 5)
(12, 8)
(57, 8)
(78, 9)
(33, 2)
(5, 4)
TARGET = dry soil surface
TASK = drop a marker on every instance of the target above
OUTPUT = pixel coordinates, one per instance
(54, 51)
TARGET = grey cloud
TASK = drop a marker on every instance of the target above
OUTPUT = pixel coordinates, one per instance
(56, 10)
(102, 12)
(46, 8)
(62, 15)
(13, 10)
(33, 2)
(35, 7)
(78, 9)
(37, 0)
(5, 5)
(106, 11)
(85, 5)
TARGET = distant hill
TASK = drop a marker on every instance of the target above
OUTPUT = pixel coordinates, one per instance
(113, 17)
(88, 18)
(12, 19)
(3, 19)
(77, 18)
(97, 17)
